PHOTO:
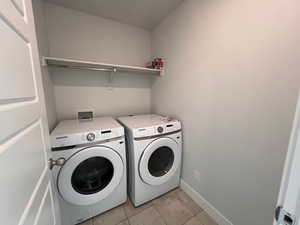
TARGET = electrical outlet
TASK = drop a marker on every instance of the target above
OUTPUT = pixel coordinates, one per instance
(196, 174)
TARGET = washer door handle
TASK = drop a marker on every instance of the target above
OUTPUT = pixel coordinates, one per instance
(58, 162)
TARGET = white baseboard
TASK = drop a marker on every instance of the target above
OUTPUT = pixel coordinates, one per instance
(204, 204)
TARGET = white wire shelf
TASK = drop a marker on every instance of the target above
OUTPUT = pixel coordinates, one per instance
(97, 66)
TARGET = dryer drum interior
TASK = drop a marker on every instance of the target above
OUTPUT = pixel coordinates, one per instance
(92, 175)
(161, 161)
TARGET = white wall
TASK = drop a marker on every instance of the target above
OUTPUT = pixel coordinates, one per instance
(77, 90)
(76, 35)
(39, 14)
(232, 77)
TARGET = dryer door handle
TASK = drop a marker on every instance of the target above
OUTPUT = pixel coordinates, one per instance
(58, 162)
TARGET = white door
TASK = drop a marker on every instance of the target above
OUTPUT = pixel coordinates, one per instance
(25, 190)
(90, 175)
(288, 211)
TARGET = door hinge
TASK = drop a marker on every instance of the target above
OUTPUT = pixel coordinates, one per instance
(283, 217)
(57, 162)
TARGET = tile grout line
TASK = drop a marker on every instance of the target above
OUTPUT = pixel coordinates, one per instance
(124, 211)
(159, 214)
(176, 196)
(196, 214)
(127, 217)
(155, 206)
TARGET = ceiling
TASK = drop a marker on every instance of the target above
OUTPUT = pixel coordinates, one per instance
(143, 13)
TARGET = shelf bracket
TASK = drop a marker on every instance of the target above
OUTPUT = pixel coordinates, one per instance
(44, 62)
(111, 75)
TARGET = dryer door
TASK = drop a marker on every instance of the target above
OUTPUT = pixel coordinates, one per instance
(90, 175)
(160, 161)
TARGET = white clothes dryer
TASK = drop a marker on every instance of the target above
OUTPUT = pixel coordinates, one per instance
(90, 175)
(154, 148)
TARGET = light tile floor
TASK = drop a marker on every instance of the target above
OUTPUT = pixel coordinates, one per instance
(173, 208)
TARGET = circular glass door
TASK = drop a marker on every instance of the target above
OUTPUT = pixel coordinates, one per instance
(159, 161)
(90, 175)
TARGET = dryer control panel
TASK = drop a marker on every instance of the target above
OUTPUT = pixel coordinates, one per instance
(160, 129)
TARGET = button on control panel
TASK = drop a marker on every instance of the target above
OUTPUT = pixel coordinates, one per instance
(90, 136)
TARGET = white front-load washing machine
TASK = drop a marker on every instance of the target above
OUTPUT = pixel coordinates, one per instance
(154, 148)
(89, 167)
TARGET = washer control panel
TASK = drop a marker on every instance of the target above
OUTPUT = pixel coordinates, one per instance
(86, 137)
(160, 129)
(101, 135)
(77, 132)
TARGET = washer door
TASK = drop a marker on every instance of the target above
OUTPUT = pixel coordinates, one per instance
(159, 161)
(90, 175)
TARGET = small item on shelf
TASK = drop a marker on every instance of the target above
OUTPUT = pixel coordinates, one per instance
(157, 63)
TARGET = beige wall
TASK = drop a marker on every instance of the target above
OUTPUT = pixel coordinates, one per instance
(232, 77)
(127, 94)
(76, 35)
(39, 14)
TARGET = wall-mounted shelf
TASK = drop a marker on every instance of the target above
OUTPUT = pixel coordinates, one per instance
(97, 66)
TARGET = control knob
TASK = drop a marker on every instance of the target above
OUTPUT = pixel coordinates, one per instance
(90, 136)
(160, 129)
